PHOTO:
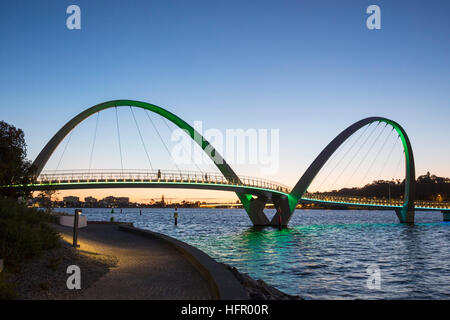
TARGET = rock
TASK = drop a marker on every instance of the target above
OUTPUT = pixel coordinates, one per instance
(258, 289)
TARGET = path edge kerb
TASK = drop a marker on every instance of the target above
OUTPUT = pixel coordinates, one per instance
(222, 283)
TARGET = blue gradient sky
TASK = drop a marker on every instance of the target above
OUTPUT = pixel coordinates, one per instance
(309, 68)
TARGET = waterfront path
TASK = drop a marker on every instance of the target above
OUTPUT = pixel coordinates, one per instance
(146, 269)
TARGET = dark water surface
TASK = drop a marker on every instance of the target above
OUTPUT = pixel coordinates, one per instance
(324, 254)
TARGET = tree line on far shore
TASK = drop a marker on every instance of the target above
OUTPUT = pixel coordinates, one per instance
(428, 187)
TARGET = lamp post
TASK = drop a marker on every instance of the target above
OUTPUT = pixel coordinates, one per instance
(389, 184)
(75, 228)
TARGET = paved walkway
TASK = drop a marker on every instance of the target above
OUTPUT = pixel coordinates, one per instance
(147, 268)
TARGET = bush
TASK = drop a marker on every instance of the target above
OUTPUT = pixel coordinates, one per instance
(24, 233)
(7, 290)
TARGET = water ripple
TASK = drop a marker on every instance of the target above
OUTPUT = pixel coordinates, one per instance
(323, 254)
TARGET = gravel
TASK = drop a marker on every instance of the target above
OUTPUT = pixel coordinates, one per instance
(45, 278)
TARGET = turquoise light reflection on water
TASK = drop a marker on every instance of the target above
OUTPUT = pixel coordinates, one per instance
(323, 254)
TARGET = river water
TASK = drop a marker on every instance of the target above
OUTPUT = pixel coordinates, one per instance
(324, 254)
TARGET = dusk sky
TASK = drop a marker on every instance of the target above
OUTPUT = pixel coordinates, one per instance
(307, 68)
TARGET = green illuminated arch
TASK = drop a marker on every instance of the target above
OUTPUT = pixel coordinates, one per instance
(406, 213)
(254, 207)
(41, 160)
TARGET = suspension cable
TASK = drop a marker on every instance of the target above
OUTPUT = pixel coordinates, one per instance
(365, 155)
(64, 150)
(160, 137)
(118, 135)
(191, 153)
(345, 168)
(389, 156)
(341, 149)
(345, 155)
(399, 162)
(376, 156)
(93, 142)
(142, 140)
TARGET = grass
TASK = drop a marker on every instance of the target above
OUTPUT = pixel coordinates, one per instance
(54, 263)
(45, 285)
(24, 234)
(7, 289)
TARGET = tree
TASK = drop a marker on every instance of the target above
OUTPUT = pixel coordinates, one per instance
(46, 198)
(15, 169)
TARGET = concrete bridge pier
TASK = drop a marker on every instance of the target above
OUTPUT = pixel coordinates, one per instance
(405, 215)
(445, 215)
(286, 212)
(256, 211)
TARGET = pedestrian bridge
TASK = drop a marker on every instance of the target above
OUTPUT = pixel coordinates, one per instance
(367, 203)
(99, 179)
(253, 193)
(94, 179)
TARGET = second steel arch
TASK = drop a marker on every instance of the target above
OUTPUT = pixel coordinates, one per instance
(405, 214)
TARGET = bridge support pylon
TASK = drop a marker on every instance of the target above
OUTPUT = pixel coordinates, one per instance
(405, 214)
(445, 215)
(287, 205)
(256, 211)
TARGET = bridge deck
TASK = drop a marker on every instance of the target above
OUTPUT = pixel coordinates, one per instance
(99, 179)
(379, 204)
(157, 179)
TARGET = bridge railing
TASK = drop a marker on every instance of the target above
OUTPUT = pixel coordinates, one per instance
(136, 175)
(431, 204)
(373, 201)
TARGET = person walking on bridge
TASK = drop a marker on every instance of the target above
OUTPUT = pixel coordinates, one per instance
(159, 174)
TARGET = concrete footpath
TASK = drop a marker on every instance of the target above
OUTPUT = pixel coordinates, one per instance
(148, 268)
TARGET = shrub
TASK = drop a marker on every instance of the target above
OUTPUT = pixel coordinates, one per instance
(7, 290)
(24, 233)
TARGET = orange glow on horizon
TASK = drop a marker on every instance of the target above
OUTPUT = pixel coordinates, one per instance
(146, 195)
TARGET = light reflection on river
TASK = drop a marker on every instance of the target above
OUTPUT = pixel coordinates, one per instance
(323, 254)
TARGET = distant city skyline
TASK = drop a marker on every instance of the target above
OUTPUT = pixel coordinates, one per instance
(112, 201)
(310, 72)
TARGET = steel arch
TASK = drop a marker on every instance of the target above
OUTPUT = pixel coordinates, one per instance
(219, 161)
(254, 207)
(405, 214)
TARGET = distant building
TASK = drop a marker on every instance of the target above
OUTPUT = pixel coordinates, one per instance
(163, 202)
(108, 201)
(114, 202)
(90, 201)
(71, 201)
(122, 201)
